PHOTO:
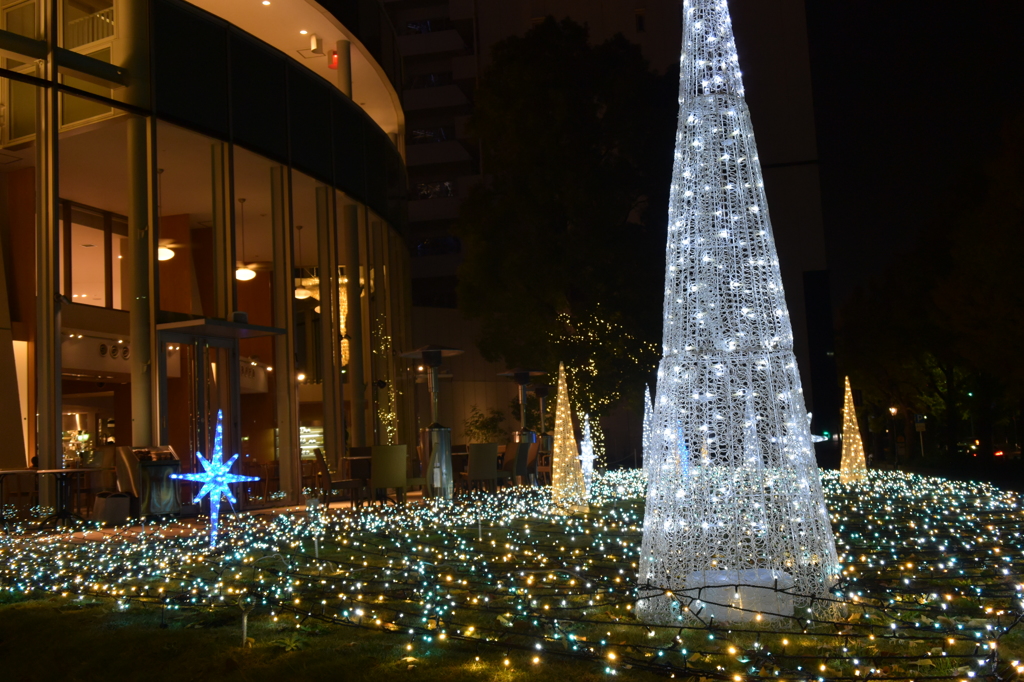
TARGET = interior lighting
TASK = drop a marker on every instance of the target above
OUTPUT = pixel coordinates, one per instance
(163, 253)
(244, 273)
(303, 32)
(301, 292)
(266, 2)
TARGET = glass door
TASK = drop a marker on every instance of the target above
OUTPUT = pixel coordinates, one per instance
(199, 384)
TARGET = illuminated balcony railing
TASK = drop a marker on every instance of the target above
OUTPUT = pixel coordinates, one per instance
(89, 29)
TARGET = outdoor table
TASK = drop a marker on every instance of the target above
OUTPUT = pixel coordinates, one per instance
(63, 515)
(4, 473)
(359, 467)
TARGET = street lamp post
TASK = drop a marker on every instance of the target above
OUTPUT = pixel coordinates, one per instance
(895, 453)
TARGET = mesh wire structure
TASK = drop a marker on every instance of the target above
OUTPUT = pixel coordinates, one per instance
(587, 456)
(735, 523)
(568, 492)
(852, 467)
(646, 433)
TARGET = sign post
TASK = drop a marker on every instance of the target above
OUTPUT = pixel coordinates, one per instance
(920, 426)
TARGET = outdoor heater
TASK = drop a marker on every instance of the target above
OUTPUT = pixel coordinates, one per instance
(542, 391)
(435, 440)
(146, 473)
(522, 378)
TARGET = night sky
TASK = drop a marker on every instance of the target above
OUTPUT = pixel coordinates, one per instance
(910, 98)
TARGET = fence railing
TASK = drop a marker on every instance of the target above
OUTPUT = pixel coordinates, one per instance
(89, 29)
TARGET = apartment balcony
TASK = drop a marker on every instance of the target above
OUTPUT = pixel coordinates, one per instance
(423, 210)
(432, 43)
(443, 97)
(464, 67)
(450, 151)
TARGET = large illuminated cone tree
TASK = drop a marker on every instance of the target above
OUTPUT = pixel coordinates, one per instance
(646, 433)
(852, 467)
(736, 525)
(568, 491)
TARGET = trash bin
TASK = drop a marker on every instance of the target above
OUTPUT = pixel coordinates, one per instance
(111, 508)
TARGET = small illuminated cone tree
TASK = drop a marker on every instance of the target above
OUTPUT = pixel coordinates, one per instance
(853, 467)
(587, 455)
(568, 491)
(735, 523)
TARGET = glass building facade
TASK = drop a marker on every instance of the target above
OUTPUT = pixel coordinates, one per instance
(201, 209)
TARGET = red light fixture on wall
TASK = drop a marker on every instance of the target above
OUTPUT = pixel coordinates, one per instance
(332, 59)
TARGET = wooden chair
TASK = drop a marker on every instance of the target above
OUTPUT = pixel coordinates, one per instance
(531, 462)
(388, 470)
(329, 482)
(514, 464)
(483, 465)
(421, 465)
(544, 460)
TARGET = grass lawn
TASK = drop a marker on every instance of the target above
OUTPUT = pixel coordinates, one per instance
(61, 639)
(479, 588)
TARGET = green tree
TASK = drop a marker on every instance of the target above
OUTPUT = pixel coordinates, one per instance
(939, 332)
(564, 242)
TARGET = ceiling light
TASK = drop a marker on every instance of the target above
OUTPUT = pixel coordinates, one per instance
(266, 2)
(243, 273)
(164, 253)
(303, 32)
(303, 293)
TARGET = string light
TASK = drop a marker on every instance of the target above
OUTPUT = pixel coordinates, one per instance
(646, 434)
(587, 453)
(852, 467)
(216, 478)
(568, 491)
(931, 580)
(735, 512)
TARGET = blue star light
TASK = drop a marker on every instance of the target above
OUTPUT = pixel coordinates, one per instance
(216, 478)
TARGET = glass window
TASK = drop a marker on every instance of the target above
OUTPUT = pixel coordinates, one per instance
(94, 202)
(95, 250)
(18, 237)
(185, 203)
(308, 339)
(254, 286)
(75, 109)
(20, 97)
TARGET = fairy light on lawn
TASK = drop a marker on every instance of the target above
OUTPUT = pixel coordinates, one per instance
(543, 587)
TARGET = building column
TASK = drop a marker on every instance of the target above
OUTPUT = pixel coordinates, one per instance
(48, 325)
(223, 234)
(354, 326)
(289, 463)
(344, 48)
(12, 456)
(330, 327)
(142, 245)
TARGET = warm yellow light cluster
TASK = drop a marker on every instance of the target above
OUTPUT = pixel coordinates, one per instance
(852, 468)
(568, 491)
